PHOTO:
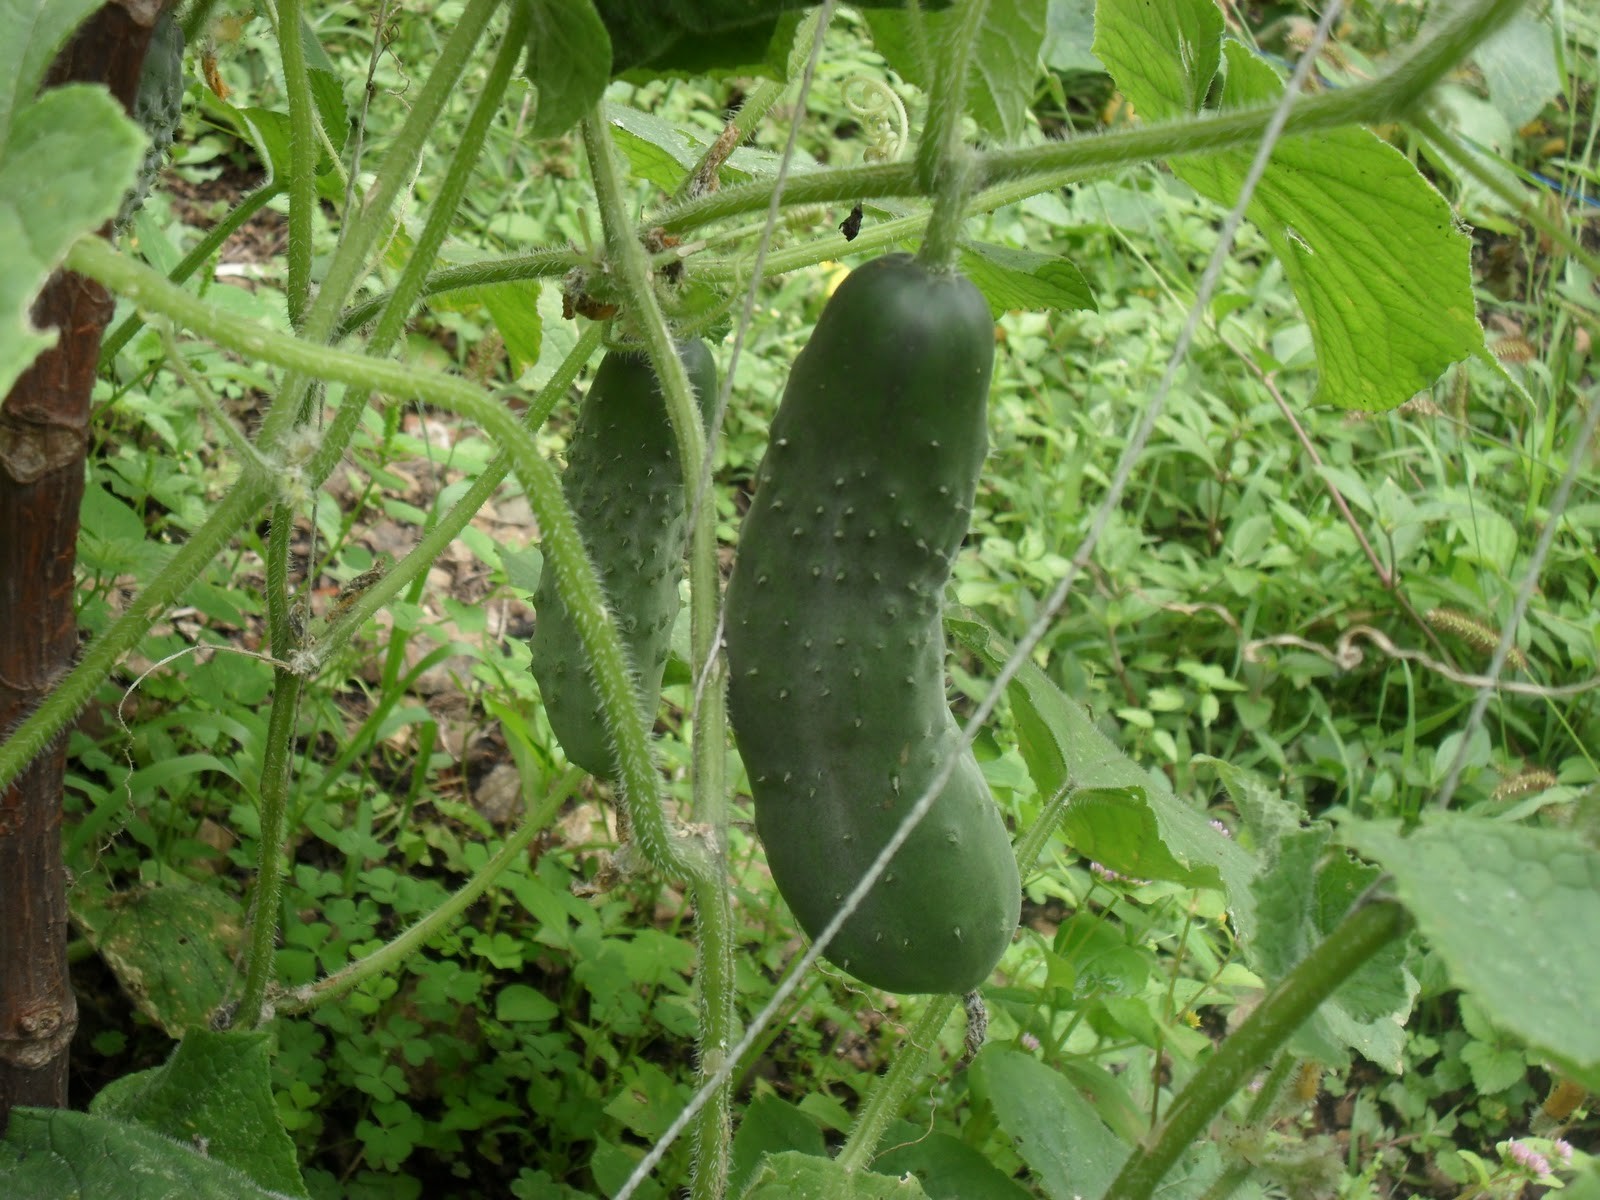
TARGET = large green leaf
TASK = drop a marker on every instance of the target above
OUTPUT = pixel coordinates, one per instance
(65, 161)
(569, 61)
(1370, 248)
(215, 1092)
(51, 1154)
(1512, 912)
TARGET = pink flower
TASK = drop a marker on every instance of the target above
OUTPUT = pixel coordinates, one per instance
(1106, 875)
(1564, 1149)
(1525, 1155)
(1029, 1042)
(1222, 829)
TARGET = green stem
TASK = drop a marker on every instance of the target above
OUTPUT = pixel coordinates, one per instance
(303, 151)
(1261, 1107)
(1391, 97)
(713, 905)
(262, 944)
(713, 1126)
(536, 264)
(1363, 932)
(1032, 843)
(889, 1093)
(942, 170)
(389, 956)
(191, 262)
(277, 773)
(361, 233)
(422, 555)
(77, 688)
(562, 546)
(628, 258)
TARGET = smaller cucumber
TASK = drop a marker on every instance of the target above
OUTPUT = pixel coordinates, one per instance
(157, 106)
(626, 490)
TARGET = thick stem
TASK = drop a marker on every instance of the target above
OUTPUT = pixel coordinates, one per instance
(1362, 933)
(628, 257)
(713, 1127)
(261, 948)
(389, 956)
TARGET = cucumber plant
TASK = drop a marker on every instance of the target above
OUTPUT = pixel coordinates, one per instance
(625, 486)
(835, 645)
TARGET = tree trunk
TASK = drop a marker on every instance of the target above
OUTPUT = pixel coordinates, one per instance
(43, 436)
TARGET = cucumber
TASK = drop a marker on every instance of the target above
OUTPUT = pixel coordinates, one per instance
(157, 106)
(627, 493)
(834, 640)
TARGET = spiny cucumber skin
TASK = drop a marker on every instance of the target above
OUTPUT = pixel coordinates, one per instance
(157, 106)
(834, 636)
(626, 490)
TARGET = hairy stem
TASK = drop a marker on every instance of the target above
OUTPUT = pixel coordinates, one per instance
(192, 261)
(943, 170)
(713, 905)
(303, 151)
(889, 1092)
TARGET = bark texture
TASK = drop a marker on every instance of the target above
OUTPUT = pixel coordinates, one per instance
(43, 436)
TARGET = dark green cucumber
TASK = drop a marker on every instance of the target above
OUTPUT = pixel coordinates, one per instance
(835, 647)
(626, 489)
(157, 105)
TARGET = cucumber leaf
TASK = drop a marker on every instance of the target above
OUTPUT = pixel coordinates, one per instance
(569, 55)
(1511, 911)
(52, 1152)
(1371, 249)
(216, 1089)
